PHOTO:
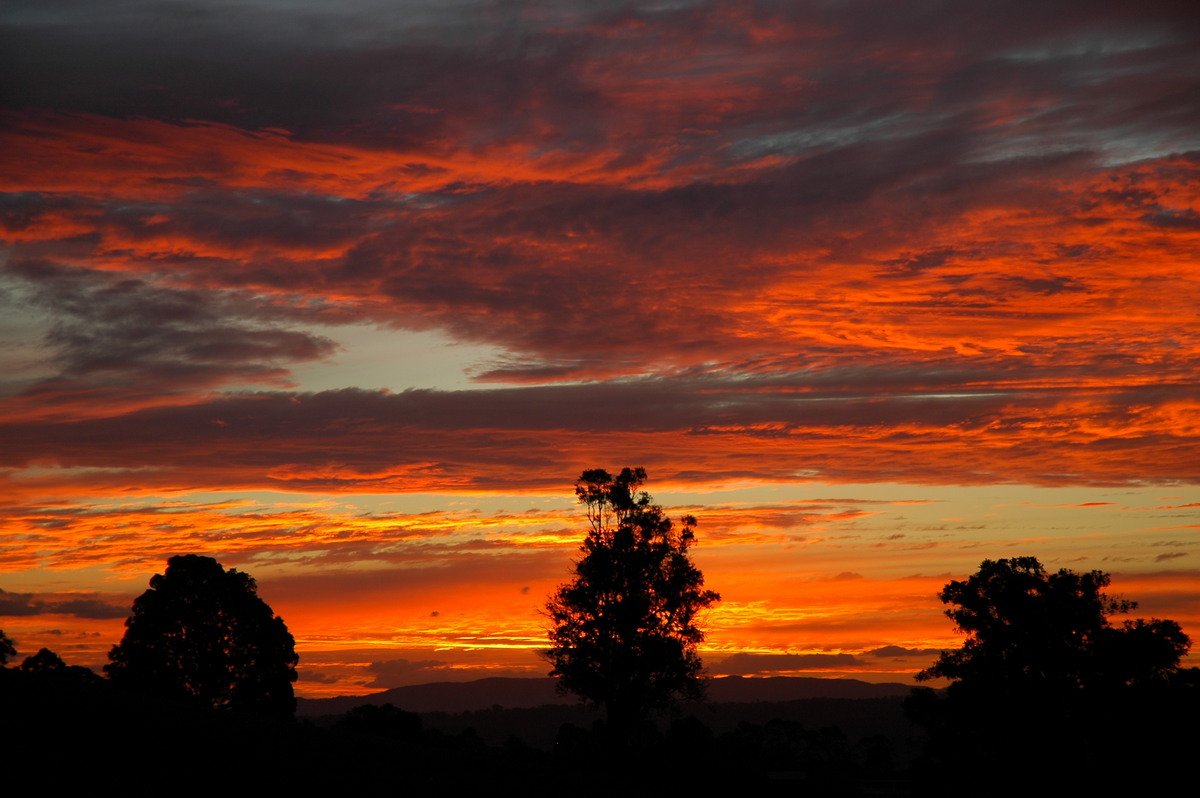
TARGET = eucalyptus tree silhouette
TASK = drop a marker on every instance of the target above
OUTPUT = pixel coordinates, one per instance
(625, 628)
(202, 635)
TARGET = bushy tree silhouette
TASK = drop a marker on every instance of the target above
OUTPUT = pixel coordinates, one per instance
(201, 634)
(1045, 678)
(48, 666)
(43, 661)
(1026, 627)
(625, 630)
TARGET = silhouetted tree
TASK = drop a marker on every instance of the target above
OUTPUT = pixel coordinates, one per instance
(1044, 678)
(1026, 627)
(7, 648)
(44, 660)
(47, 665)
(201, 634)
(625, 630)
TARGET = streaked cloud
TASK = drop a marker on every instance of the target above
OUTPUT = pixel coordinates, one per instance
(79, 605)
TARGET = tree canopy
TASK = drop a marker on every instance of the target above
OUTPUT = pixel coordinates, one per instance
(43, 661)
(201, 634)
(1027, 627)
(625, 627)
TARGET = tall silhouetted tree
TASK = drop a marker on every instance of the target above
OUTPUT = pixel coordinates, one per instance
(625, 630)
(201, 634)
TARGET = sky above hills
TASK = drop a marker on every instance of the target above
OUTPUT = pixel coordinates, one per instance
(347, 297)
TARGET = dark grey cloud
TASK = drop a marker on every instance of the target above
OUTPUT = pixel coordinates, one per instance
(515, 437)
(376, 74)
(19, 604)
(858, 117)
(88, 605)
(899, 652)
(119, 335)
(400, 672)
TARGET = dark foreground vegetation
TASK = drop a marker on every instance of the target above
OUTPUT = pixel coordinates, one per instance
(1051, 682)
(79, 732)
(76, 730)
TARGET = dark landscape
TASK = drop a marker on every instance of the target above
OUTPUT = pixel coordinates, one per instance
(778, 736)
(832, 737)
(530, 711)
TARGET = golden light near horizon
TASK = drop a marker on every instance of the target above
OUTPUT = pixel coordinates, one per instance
(802, 576)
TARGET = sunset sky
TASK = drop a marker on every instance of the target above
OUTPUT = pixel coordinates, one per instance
(347, 296)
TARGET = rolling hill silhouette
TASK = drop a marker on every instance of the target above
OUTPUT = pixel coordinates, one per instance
(523, 693)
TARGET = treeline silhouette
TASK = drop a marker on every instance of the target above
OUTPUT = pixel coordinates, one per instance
(1047, 694)
(80, 732)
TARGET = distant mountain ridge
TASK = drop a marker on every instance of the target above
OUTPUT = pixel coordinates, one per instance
(512, 693)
